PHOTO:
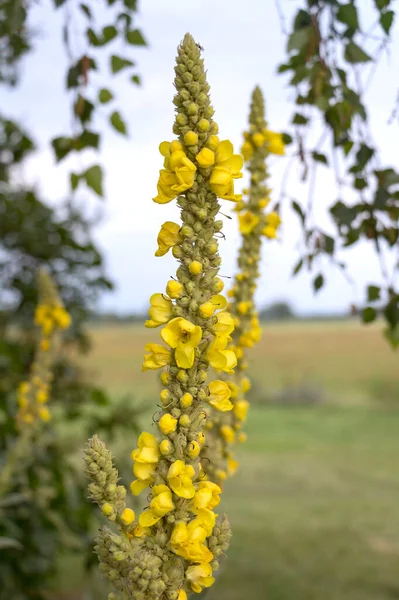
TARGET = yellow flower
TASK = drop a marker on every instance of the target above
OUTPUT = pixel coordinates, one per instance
(160, 505)
(195, 267)
(145, 458)
(184, 336)
(140, 531)
(178, 174)
(44, 414)
(270, 232)
(234, 389)
(168, 237)
(187, 541)
(275, 143)
(222, 184)
(42, 396)
(138, 485)
(245, 385)
(219, 395)
(166, 447)
(263, 202)
(174, 289)
(248, 221)
(160, 310)
(232, 465)
(167, 424)
(228, 433)
(213, 142)
(258, 140)
(182, 595)
(218, 357)
(190, 138)
(207, 496)
(217, 302)
(200, 576)
(186, 400)
(158, 357)
(127, 516)
(244, 307)
(226, 158)
(241, 409)
(206, 158)
(180, 478)
(273, 219)
(242, 437)
(247, 150)
(193, 449)
(224, 324)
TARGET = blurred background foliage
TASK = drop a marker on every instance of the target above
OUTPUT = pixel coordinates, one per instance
(44, 511)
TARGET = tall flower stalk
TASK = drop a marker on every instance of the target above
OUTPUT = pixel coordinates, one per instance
(51, 318)
(255, 222)
(34, 393)
(172, 549)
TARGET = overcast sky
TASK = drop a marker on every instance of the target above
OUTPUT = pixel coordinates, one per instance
(242, 43)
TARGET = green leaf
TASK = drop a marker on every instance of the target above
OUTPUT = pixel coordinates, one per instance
(391, 312)
(105, 96)
(344, 215)
(94, 179)
(386, 20)
(299, 39)
(83, 109)
(132, 4)
(299, 119)
(108, 34)
(369, 314)
(136, 79)
(360, 183)
(381, 4)
(347, 147)
(392, 335)
(329, 244)
(373, 293)
(347, 14)
(355, 54)
(86, 10)
(135, 37)
(298, 210)
(318, 282)
(118, 63)
(87, 139)
(62, 146)
(298, 267)
(287, 139)
(92, 37)
(302, 19)
(381, 198)
(74, 179)
(322, 158)
(118, 123)
(363, 155)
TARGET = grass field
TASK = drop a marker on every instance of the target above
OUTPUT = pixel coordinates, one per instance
(315, 504)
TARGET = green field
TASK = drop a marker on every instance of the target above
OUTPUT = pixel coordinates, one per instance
(315, 504)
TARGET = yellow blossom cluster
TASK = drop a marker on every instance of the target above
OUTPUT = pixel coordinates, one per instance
(173, 546)
(254, 222)
(255, 138)
(51, 317)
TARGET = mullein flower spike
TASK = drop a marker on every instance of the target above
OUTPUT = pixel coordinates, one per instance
(172, 549)
(254, 222)
(51, 317)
